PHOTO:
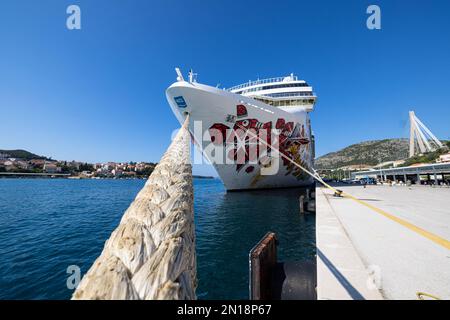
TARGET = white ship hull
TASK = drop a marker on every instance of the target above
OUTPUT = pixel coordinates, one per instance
(219, 109)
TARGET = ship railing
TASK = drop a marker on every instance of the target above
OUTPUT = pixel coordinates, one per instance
(262, 81)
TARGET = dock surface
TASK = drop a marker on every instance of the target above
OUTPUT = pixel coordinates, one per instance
(360, 250)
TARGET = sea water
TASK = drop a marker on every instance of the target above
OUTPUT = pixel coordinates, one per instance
(47, 225)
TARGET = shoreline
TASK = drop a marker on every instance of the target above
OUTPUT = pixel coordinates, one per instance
(50, 176)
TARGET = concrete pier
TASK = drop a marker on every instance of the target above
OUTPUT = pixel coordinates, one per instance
(363, 254)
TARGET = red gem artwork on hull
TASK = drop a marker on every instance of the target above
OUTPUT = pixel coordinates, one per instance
(291, 139)
(241, 111)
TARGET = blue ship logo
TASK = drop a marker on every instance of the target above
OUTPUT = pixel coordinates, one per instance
(180, 102)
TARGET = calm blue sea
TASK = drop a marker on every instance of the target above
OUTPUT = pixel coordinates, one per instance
(48, 224)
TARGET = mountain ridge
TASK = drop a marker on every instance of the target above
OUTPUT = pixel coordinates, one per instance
(370, 153)
(373, 152)
(21, 154)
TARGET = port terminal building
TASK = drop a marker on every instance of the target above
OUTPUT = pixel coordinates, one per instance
(434, 173)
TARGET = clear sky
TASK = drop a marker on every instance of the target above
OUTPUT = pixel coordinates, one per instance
(97, 94)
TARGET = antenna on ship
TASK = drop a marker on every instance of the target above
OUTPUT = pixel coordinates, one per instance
(192, 76)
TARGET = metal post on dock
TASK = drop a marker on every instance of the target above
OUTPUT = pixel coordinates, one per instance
(271, 279)
(301, 203)
(151, 254)
(263, 259)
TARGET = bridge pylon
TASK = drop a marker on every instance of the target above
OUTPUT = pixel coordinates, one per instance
(421, 139)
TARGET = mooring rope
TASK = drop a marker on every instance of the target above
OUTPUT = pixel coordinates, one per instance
(151, 254)
(420, 296)
(436, 239)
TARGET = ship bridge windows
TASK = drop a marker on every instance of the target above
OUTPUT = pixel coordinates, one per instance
(286, 103)
(290, 94)
(285, 85)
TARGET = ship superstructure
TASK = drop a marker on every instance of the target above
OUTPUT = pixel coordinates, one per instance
(287, 93)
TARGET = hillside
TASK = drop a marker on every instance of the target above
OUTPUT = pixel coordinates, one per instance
(365, 153)
(22, 154)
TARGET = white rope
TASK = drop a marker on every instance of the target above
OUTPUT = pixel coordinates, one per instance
(315, 175)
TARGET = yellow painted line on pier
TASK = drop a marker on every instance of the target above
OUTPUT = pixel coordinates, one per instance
(436, 239)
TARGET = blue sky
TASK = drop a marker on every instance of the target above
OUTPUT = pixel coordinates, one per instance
(97, 94)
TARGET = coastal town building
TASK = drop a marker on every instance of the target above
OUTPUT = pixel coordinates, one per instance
(74, 165)
(37, 162)
(8, 165)
(22, 164)
(75, 168)
(51, 168)
(444, 158)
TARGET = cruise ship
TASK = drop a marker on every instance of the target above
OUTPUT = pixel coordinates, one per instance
(251, 133)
